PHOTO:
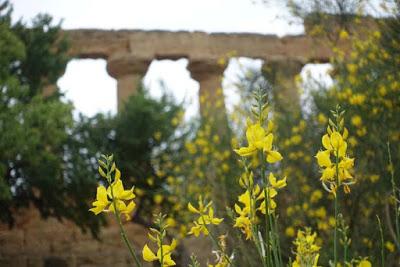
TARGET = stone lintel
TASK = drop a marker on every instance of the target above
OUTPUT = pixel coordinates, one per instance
(201, 45)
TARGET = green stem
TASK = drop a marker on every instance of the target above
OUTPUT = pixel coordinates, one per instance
(382, 242)
(258, 246)
(273, 241)
(121, 228)
(254, 229)
(397, 215)
(336, 209)
(277, 239)
(266, 198)
(161, 249)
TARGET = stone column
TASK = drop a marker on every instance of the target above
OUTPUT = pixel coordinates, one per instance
(209, 74)
(282, 76)
(129, 72)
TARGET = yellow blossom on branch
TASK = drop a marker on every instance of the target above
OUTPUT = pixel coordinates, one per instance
(115, 196)
(206, 217)
(307, 252)
(259, 140)
(149, 256)
(335, 172)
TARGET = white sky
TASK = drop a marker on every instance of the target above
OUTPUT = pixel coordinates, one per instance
(86, 82)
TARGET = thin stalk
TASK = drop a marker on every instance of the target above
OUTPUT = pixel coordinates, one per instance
(253, 230)
(259, 250)
(277, 240)
(336, 209)
(273, 241)
(382, 242)
(266, 198)
(121, 228)
(397, 215)
(161, 249)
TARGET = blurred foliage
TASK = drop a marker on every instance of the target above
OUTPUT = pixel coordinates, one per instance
(34, 128)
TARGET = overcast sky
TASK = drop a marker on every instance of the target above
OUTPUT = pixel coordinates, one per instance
(87, 83)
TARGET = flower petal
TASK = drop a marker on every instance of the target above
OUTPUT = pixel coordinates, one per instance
(274, 156)
(148, 255)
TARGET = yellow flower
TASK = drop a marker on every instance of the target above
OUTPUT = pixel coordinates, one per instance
(271, 203)
(258, 140)
(356, 120)
(158, 199)
(101, 202)
(244, 224)
(118, 192)
(390, 246)
(324, 159)
(272, 155)
(157, 136)
(357, 99)
(364, 263)
(343, 34)
(316, 196)
(290, 232)
(114, 194)
(201, 209)
(206, 217)
(276, 184)
(246, 217)
(256, 137)
(334, 142)
(149, 255)
(335, 145)
(322, 119)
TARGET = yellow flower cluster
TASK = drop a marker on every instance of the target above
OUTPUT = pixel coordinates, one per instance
(206, 217)
(258, 139)
(337, 172)
(114, 197)
(307, 252)
(255, 201)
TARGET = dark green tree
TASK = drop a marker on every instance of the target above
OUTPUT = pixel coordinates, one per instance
(35, 130)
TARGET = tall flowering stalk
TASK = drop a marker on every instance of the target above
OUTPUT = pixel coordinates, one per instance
(336, 166)
(115, 199)
(307, 252)
(259, 194)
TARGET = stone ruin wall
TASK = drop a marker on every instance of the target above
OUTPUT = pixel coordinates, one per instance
(36, 242)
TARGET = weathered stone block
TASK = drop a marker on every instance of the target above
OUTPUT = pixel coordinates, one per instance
(11, 242)
(19, 261)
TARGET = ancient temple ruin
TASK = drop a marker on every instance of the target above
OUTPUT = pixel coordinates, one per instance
(129, 54)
